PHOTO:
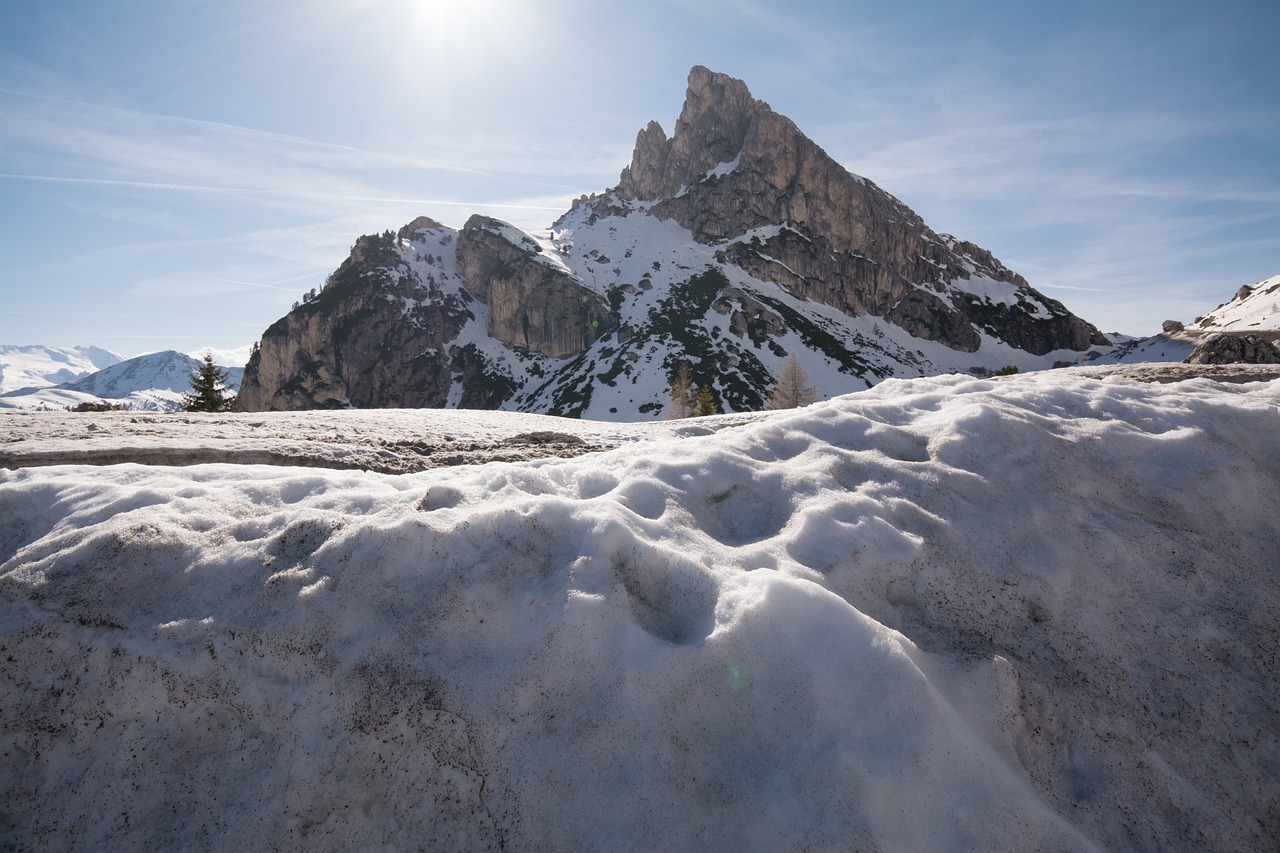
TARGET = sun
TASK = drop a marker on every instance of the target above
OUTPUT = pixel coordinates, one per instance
(448, 37)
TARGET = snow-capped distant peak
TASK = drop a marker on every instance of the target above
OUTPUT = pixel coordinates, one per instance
(36, 366)
(154, 381)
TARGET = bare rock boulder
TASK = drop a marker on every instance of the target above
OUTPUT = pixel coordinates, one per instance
(1234, 349)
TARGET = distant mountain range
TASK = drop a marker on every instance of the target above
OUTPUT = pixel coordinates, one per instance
(57, 378)
(54, 378)
(40, 366)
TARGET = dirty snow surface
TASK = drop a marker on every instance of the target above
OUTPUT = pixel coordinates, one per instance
(1036, 613)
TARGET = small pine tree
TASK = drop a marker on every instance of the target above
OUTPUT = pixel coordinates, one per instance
(792, 389)
(209, 390)
(682, 403)
(704, 402)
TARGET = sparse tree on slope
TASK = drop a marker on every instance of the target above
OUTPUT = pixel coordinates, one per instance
(209, 391)
(683, 404)
(705, 402)
(792, 389)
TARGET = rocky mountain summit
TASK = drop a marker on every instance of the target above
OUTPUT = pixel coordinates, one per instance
(734, 165)
(729, 246)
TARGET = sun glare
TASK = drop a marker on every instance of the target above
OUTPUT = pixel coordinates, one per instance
(446, 37)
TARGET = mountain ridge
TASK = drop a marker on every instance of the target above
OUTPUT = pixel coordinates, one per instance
(36, 366)
(150, 382)
(771, 234)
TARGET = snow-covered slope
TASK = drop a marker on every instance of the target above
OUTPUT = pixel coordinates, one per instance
(152, 382)
(1255, 308)
(1164, 348)
(678, 300)
(673, 298)
(37, 366)
(1036, 613)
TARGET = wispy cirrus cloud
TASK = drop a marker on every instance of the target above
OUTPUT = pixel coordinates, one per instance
(55, 139)
(281, 193)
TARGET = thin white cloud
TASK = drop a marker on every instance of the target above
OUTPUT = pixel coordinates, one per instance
(255, 191)
(266, 286)
(167, 142)
(115, 149)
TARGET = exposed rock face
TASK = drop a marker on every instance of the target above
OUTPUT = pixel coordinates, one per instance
(533, 304)
(1234, 349)
(729, 246)
(734, 165)
(384, 331)
(374, 337)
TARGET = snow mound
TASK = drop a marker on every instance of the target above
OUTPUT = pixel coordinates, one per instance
(1038, 613)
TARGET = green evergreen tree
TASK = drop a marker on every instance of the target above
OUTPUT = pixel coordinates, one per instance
(209, 391)
(704, 402)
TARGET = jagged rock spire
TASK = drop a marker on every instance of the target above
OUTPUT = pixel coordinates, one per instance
(589, 319)
(733, 165)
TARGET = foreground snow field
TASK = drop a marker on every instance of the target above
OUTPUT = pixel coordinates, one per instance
(1039, 613)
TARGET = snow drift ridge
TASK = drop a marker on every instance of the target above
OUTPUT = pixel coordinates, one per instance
(1039, 613)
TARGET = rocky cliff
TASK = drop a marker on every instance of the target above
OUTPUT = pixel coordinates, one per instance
(734, 165)
(535, 302)
(730, 245)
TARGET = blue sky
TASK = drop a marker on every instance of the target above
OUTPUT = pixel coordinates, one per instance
(175, 173)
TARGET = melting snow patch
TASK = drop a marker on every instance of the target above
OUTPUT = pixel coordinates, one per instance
(1033, 614)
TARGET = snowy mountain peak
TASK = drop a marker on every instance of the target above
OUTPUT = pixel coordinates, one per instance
(734, 166)
(167, 370)
(34, 366)
(153, 382)
(728, 247)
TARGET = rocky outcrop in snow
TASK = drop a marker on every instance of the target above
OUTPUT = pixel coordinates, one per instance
(1255, 309)
(1234, 349)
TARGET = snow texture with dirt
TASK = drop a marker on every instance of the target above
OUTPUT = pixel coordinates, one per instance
(1034, 613)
